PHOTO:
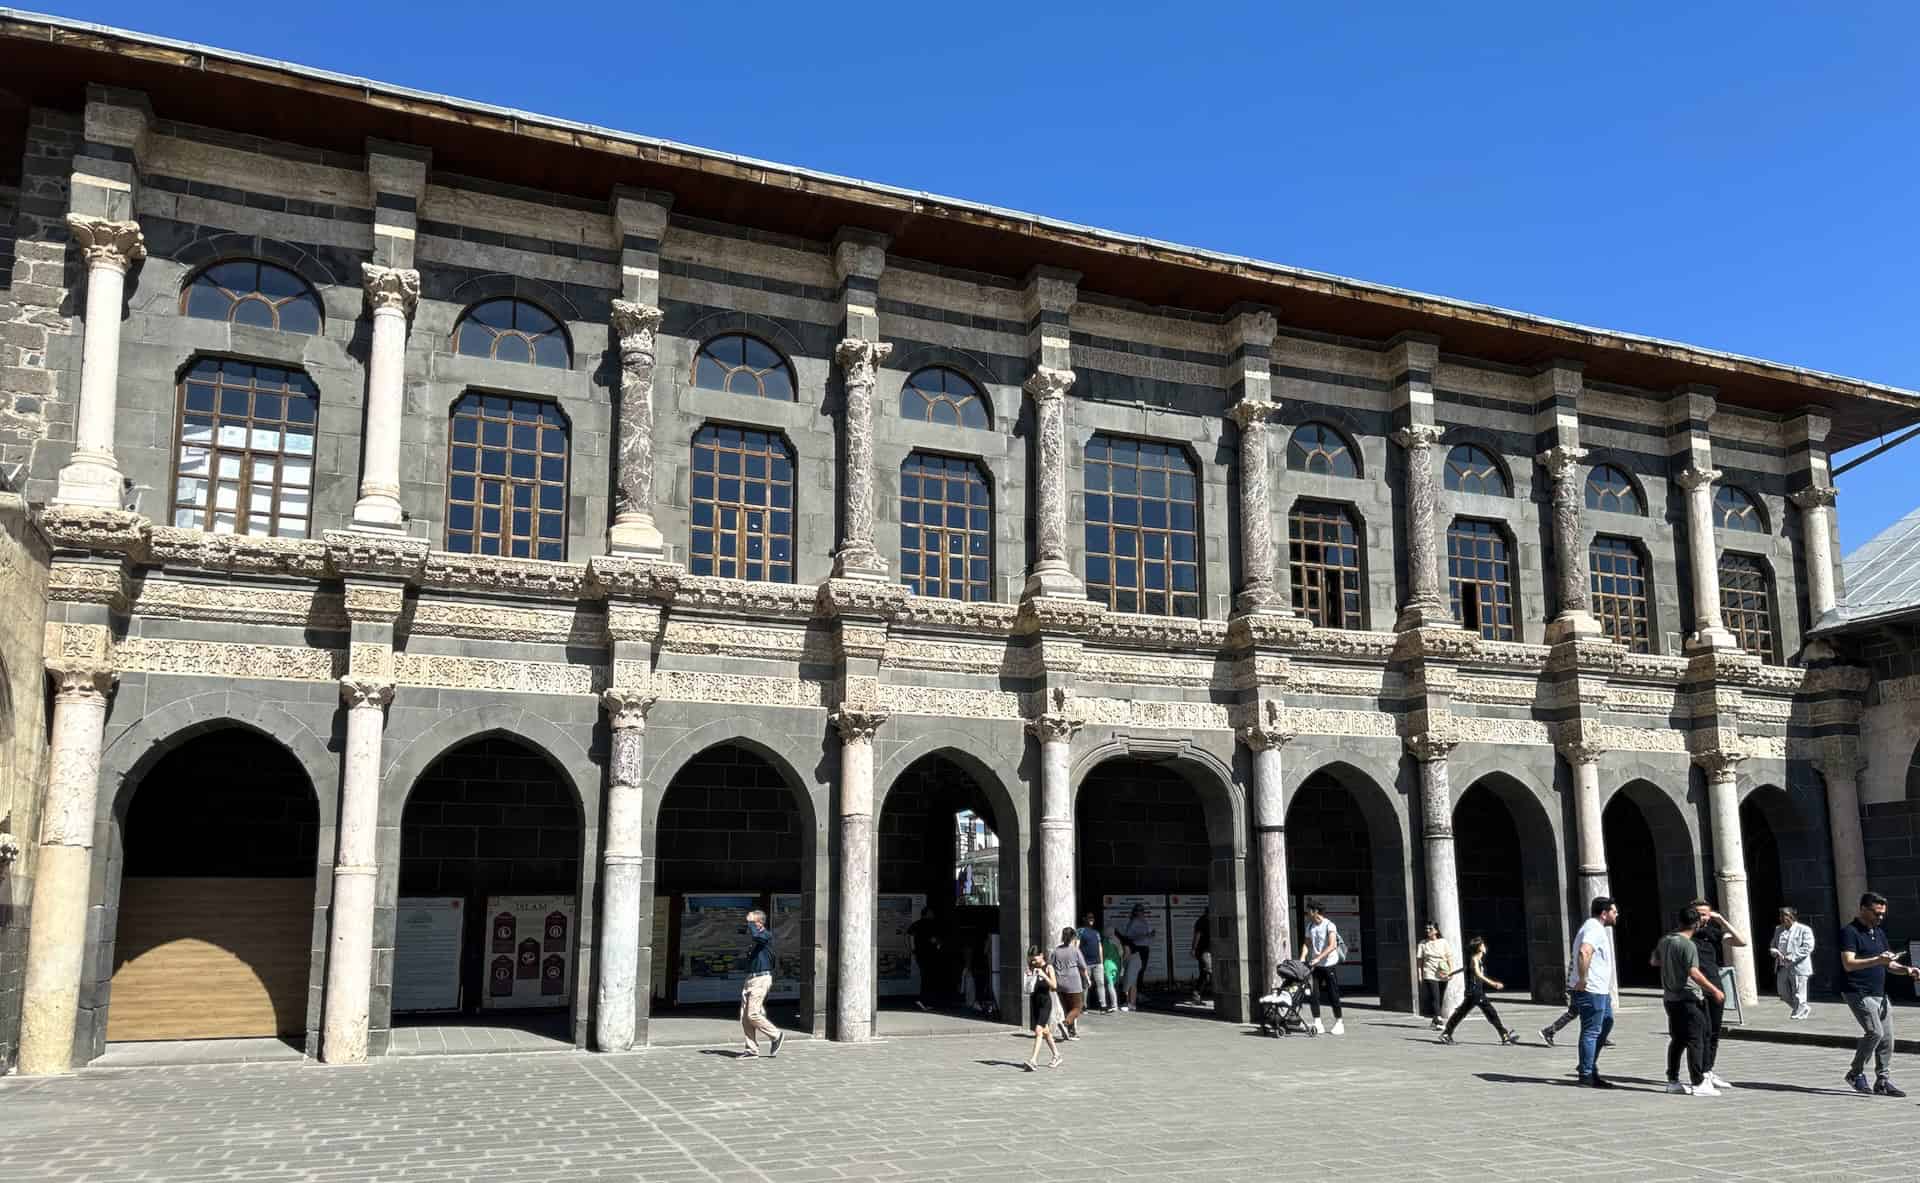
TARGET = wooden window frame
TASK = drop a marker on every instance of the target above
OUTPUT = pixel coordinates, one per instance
(1310, 580)
(974, 533)
(1111, 590)
(742, 506)
(1461, 590)
(1617, 609)
(505, 535)
(1754, 629)
(246, 455)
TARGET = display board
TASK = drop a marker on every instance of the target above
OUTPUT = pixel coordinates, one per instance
(529, 954)
(893, 945)
(1182, 912)
(788, 920)
(1114, 912)
(713, 945)
(428, 934)
(1344, 911)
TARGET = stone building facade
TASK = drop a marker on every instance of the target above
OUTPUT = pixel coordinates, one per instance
(554, 512)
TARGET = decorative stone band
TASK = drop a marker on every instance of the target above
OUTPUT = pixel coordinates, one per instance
(1694, 477)
(117, 245)
(80, 681)
(1816, 496)
(857, 726)
(358, 693)
(391, 287)
(627, 707)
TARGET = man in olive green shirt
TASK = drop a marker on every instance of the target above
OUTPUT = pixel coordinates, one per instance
(1684, 989)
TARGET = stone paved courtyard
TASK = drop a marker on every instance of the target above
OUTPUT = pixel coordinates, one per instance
(1152, 1096)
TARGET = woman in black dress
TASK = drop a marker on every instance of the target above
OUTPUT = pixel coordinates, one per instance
(1040, 988)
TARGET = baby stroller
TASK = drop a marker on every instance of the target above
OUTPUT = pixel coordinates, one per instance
(1280, 1010)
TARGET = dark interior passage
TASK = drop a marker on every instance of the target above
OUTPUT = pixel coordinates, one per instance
(1139, 828)
(1766, 891)
(922, 847)
(1329, 853)
(1633, 877)
(1492, 884)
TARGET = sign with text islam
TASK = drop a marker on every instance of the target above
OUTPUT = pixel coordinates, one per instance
(529, 957)
(426, 953)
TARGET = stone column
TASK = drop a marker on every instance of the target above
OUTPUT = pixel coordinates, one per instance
(634, 531)
(1443, 874)
(1710, 631)
(623, 910)
(1816, 530)
(1270, 829)
(1840, 769)
(857, 557)
(1051, 576)
(355, 875)
(392, 293)
(853, 944)
(1256, 509)
(1590, 831)
(1730, 859)
(1055, 733)
(92, 476)
(57, 940)
(1428, 603)
(1569, 543)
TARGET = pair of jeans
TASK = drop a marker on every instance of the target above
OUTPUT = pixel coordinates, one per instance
(1687, 1032)
(1433, 998)
(1596, 1023)
(1876, 1033)
(1327, 986)
(1486, 1008)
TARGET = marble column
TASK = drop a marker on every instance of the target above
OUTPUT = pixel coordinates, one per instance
(623, 910)
(634, 531)
(1051, 576)
(1428, 603)
(860, 359)
(1816, 530)
(356, 875)
(92, 475)
(1590, 834)
(853, 944)
(1256, 509)
(392, 293)
(1270, 830)
(1569, 542)
(1730, 863)
(1710, 631)
(1055, 733)
(1840, 769)
(1443, 873)
(63, 876)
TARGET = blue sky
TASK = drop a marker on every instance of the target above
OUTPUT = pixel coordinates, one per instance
(1741, 176)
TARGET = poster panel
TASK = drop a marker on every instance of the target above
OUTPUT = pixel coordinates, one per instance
(1114, 911)
(1344, 911)
(713, 945)
(1183, 911)
(787, 918)
(893, 945)
(530, 943)
(426, 953)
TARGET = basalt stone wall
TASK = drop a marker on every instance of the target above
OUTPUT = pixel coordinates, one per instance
(728, 823)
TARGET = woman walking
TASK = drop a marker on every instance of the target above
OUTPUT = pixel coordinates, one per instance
(1435, 959)
(1041, 983)
(1478, 983)
(1793, 962)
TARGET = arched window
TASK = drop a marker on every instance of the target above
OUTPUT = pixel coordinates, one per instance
(939, 395)
(1474, 470)
(507, 478)
(1618, 578)
(1746, 603)
(742, 505)
(1610, 489)
(1323, 552)
(1734, 509)
(512, 330)
(243, 458)
(1480, 575)
(1315, 447)
(1143, 527)
(740, 364)
(946, 528)
(249, 292)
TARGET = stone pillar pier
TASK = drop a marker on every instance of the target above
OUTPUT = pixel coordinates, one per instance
(623, 909)
(1427, 605)
(392, 293)
(1051, 576)
(92, 476)
(1816, 528)
(1443, 873)
(1730, 861)
(634, 531)
(1590, 833)
(1703, 563)
(857, 557)
(1256, 510)
(1270, 830)
(853, 944)
(355, 875)
(1569, 545)
(1840, 768)
(57, 940)
(1055, 733)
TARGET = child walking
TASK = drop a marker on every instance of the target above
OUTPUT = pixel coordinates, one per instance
(1478, 983)
(1041, 985)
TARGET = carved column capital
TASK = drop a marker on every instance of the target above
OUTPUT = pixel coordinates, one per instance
(1427, 747)
(78, 681)
(627, 708)
(1582, 752)
(104, 243)
(1054, 728)
(1721, 764)
(1563, 462)
(1816, 496)
(860, 357)
(1252, 415)
(1260, 737)
(391, 287)
(857, 726)
(365, 692)
(1048, 383)
(636, 326)
(1694, 477)
(1418, 437)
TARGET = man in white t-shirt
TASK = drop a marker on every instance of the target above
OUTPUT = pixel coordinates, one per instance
(1321, 952)
(1590, 982)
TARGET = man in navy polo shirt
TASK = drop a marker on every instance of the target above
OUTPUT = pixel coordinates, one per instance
(1865, 958)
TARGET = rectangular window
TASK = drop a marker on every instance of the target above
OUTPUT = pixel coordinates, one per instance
(946, 528)
(1142, 527)
(741, 505)
(1480, 578)
(243, 463)
(1746, 604)
(1323, 553)
(507, 478)
(1619, 585)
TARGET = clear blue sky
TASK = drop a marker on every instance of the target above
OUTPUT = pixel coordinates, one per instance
(1741, 176)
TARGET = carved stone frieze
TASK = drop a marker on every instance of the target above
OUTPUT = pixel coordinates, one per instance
(853, 640)
(950, 702)
(1369, 724)
(983, 617)
(105, 583)
(628, 622)
(373, 603)
(449, 672)
(745, 640)
(1270, 630)
(370, 661)
(1059, 614)
(1149, 670)
(781, 601)
(585, 625)
(247, 603)
(356, 552)
(1334, 642)
(924, 653)
(78, 643)
(1157, 632)
(623, 577)
(698, 686)
(1438, 644)
(862, 598)
(446, 571)
(283, 663)
(82, 527)
(236, 554)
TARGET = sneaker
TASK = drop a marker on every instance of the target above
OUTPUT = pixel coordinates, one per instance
(1510, 1037)
(1859, 1082)
(1055, 1062)
(1436, 1025)
(1339, 1028)
(774, 1050)
(1030, 1066)
(1885, 1087)
(1718, 1081)
(1674, 1086)
(1596, 1081)
(1546, 1033)
(1445, 1038)
(1314, 1026)
(1705, 1088)
(1125, 1009)
(1805, 1012)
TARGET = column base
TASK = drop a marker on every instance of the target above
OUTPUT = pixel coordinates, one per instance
(859, 563)
(1262, 600)
(1711, 639)
(639, 537)
(1054, 578)
(91, 479)
(1425, 614)
(379, 513)
(1572, 626)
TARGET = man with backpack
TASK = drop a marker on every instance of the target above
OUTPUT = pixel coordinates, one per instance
(1322, 951)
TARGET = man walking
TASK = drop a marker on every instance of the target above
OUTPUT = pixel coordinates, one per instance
(1685, 991)
(1866, 961)
(1321, 952)
(1711, 939)
(1099, 994)
(1071, 973)
(753, 993)
(1590, 980)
